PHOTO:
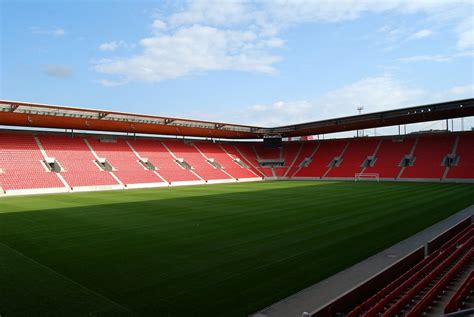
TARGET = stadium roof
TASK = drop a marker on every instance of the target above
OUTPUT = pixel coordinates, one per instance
(15, 113)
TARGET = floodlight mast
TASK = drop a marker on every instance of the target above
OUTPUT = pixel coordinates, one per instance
(359, 109)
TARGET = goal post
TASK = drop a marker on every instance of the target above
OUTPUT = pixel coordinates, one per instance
(367, 176)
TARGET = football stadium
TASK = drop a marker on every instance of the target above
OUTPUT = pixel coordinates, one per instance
(122, 211)
(130, 234)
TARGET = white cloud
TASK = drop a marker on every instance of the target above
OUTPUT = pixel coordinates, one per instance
(158, 26)
(373, 93)
(209, 35)
(466, 34)
(420, 34)
(426, 58)
(193, 49)
(58, 71)
(467, 90)
(278, 113)
(213, 12)
(56, 32)
(111, 46)
(109, 83)
(436, 58)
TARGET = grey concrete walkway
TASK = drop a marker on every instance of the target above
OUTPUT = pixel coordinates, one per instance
(318, 295)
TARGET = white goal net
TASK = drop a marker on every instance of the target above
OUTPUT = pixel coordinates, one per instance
(366, 176)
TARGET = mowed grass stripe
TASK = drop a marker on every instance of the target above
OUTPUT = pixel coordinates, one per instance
(219, 250)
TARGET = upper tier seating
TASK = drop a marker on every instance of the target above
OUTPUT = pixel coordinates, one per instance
(77, 161)
(356, 153)
(21, 166)
(322, 158)
(126, 164)
(389, 156)
(163, 161)
(465, 152)
(216, 152)
(192, 156)
(429, 154)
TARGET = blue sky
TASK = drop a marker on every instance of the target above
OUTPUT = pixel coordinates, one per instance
(263, 62)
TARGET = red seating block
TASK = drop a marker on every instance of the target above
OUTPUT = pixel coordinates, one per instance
(429, 154)
(216, 152)
(165, 163)
(126, 164)
(465, 152)
(192, 156)
(20, 162)
(77, 160)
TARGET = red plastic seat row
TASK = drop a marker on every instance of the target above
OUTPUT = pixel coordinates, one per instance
(385, 295)
(415, 289)
(380, 295)
(421, 306)
(455, 302)
(460, 237)
(407, 283)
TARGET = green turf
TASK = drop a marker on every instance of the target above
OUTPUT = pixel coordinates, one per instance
(216, 250)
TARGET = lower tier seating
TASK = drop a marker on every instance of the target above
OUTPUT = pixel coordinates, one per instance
(233, 151)
(465, 153)
(21, 164)
(414, 292)
(215, 152)
(164, 162)
(389, 157)
(435, 156)
(429, 154)
(354, 157)
(321, 160)
(125, 163)
(76, 160)
(193, 157)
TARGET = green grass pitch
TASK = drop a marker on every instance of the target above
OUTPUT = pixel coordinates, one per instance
(215, 250)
